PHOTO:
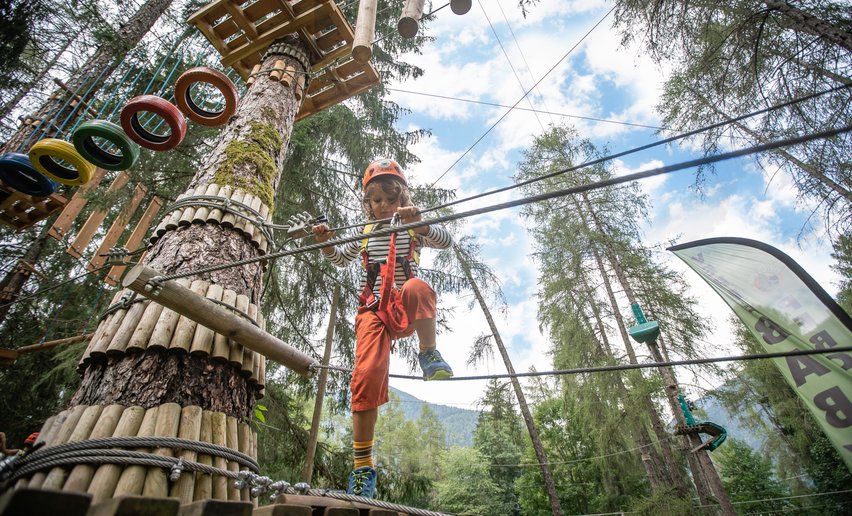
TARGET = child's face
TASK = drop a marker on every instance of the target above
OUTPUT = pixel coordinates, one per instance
(382, 204)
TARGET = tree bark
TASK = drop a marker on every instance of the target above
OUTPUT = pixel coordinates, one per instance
(541, 455)
(92, 75)
(248, 154)
(805, 22)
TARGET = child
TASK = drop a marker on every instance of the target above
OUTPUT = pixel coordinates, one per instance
(385, 194)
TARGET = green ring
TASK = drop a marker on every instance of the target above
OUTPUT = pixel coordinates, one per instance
(85, 145)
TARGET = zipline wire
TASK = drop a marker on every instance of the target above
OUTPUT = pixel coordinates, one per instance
(664, 141)
(525, 200)
(624, 367)
(474, 144)
(540, 111)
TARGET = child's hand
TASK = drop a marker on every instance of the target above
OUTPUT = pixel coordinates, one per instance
(409, 214)
(322, 233)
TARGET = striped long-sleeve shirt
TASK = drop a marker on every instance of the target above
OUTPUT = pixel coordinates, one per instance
(377, 250)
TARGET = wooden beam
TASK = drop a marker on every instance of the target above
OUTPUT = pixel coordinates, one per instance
(365, 31)
(219, 319)
(117, 228)
(409, 22)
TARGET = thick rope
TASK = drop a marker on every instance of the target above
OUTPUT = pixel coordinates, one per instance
(149, 442)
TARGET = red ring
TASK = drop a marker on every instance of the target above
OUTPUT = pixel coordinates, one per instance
(154, 104)
(216, 79)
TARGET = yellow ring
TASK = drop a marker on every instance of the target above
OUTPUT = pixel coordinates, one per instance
(44, 154)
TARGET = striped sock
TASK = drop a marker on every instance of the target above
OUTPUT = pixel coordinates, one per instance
(363, 453)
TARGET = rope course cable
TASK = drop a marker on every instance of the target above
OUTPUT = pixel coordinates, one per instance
(53, 287)
(525, 200)
(540, 111)
(475, 143)
(651, 145)
(621, 367)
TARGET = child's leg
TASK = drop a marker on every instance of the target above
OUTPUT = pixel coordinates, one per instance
(420, 305)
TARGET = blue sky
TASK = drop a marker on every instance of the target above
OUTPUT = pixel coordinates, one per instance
(598, 79)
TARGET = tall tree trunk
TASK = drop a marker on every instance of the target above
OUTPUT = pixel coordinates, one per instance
(92, 75)
(13, 282)
(129, 36)
(808, 168)
(640, 431)
(10, 105)
(805, 22)
(708, 470)
(540, 454)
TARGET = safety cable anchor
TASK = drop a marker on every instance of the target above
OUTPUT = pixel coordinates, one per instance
(176, 470)
(116, 255)
(243, 479)
(155, 285)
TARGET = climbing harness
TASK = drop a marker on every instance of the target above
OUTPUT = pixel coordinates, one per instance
(388, 306)
(717, 433)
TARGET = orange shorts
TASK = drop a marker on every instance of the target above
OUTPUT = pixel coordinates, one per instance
(372, 345)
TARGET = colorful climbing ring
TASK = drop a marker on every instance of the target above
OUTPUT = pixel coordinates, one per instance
(199, 115)
(159, 106)
(84, 141)
(59, 160)
(18, 172)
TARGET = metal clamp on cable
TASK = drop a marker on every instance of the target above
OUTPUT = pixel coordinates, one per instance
(243, 479)
(176, 471)
(301, 488)
(155, 285)
(298, 225)
(278, 488)
(115, 256)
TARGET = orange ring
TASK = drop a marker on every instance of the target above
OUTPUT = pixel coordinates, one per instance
(153, 104)
(216, 79)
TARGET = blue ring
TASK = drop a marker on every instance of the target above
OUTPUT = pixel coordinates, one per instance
(17, 172)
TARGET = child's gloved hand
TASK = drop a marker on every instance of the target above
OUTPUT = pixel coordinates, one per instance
(409, 214)
(322, 233)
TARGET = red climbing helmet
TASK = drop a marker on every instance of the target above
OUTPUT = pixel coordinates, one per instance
(381, 167)
(31, 439)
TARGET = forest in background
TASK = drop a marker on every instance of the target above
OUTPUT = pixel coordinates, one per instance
(591, 431)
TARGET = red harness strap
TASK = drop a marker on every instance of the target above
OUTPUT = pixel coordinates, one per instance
(390, 309)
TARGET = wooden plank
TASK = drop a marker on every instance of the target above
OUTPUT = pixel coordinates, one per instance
(84, 236)
(117, 228)
(75, 206)
(44, 501)
(137, 505)
(135, 238)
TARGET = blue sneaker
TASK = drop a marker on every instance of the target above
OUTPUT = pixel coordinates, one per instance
(433, 365)
(362, 482)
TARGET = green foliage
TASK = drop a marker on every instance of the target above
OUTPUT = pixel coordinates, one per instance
(748, 476)
(663, 503)
(467, 486)
(17, 22)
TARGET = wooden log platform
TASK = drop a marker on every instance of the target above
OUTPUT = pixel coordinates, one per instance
(20, 211)
(242, 35)
(29, 501)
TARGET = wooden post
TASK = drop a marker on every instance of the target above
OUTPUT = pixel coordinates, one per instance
(204, 481)
(106, 477)
(409, 22)
(232, 441)
(88, 417)
(460, 6)
(133, 478)
(308, 470)
(365, 31)
(219, 319)
(82, 474)
(218, 428)
(190, 428)
(157, 479)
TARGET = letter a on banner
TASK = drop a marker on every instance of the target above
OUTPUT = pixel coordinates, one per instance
(786, 310)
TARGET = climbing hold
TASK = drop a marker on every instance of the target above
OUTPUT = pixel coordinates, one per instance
(645, 331)
(84, 141)
(159, 106)
(18, 172)
(217, 79)
(59, 160)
